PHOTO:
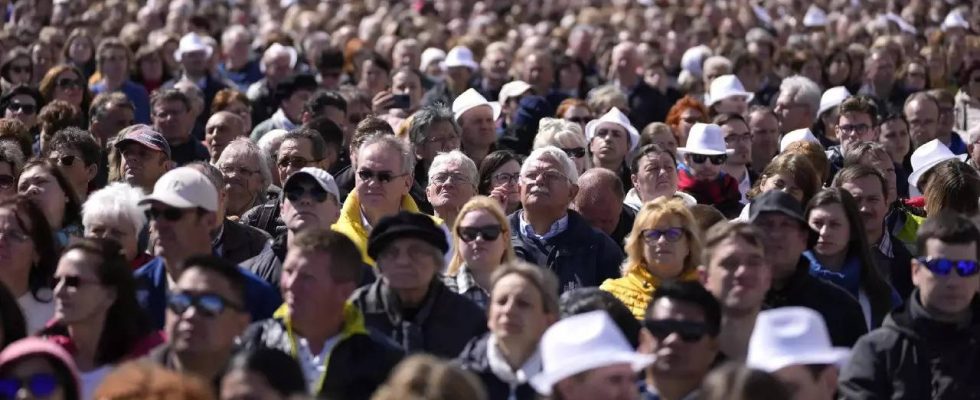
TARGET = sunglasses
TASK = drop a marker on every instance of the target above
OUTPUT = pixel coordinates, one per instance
(575, 152)
(74, 281)
(210, 305)
(170, 214)
(688, 331)
(380, 176)
(579, 120)
(6, 181)
(64, 161)
(67, 83)
(40, 385)
(296, 192)
(21, 107)
(716, 159)
(671, 234)
(20, 69)
(489, 233)
(945, 266)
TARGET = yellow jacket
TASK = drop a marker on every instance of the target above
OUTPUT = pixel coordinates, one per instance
(635, 288)
(350, 223)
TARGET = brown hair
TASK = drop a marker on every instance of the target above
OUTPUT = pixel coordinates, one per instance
(49, 83)
(567, 104)
(857, 171)
(425, 377)
(58, 115)
(544, 280)
(724, 230)
(814, 153)
(15, 131)
(954, 186)
(859, 104)
(224, 98)
(146, 380)
(345, 258)
(795, 165)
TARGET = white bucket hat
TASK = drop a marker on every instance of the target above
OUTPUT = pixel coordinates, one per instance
(470, 99)
(580, 343)
(431, 55)
(814, 17)
(832, 98)
(726, 86)
(798, 135)
(192, 42)
(278, 48)
(512, 89)
(460, 56)
(707, 139)
(614, 116)
(694, 57)
(788, 336)
(927, 156)
(955, 19)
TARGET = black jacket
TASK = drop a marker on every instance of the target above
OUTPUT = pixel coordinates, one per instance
(581, 256)
(839, 309)
(915, 357)
(442, 326)
(241, 242)
(474, 359)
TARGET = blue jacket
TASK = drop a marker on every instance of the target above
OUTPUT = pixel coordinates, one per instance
(261, 300)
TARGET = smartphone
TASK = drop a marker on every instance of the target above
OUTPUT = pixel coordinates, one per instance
(401, 101)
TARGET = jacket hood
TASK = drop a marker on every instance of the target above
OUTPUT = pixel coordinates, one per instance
(32, 346)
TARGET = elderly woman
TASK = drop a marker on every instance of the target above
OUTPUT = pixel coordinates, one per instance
(114, 213)
(481, 240)
(499, 173)
(432, 130)
(452, 181)
(247, 175)
(654, 176)
(11, 163)
(523, 304)
(28, 255)
(665, 244)
(45, 184)
(564, 135)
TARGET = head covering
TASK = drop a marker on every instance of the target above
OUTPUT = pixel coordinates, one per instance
(927, 156)
(431, 55)
(694, 57)
(192, 42)
(776, 201)
(471, 99)
(613, 116)
(275, 48)
(705, 139)
(148, 137)
(804, 134)
(726, 86)
(321, 177)
(460, 56)
(405, 225)
(512, 89)
(955, 19)
(34, 346)
(788, 336)
(184, 187)
(815, 17)
(832, 98)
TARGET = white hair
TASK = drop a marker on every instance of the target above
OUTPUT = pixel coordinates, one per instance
(275, 51)
(235, 32)
(117, 201)
(559, 133)
(404, 149)
(270, 142)
(245, 147)
(555, 154)
(716, 62)
(803, 90)
(456, 157)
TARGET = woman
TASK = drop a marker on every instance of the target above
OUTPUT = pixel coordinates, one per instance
(262, 373)
(843, 257)
(683, 115)
(954, 186)
(575, 110)
(147, 380)
(937, 66)
(566, 136)
(425, 377)
(405, 81)
(97, 318)
(837, 68)
(13, 326)
(44, 183)
(913, 75)
(659, 133)
(481, 239)
(11, 163)
(968, 99)
(499, 173)
(65, 82)
(570, 77)
(28, 255)
(40, 369)
(654, 176)
(523, 305)
(735, 381)
(79, 51)
(236, 103)
(17, 68)
(148, 69)
(791, 173)
(665, 244)
(114, 213)
(372, 74)
(45, 57)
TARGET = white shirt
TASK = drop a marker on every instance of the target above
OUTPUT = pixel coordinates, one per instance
(36, 313)
(744, 185)
(314, 365)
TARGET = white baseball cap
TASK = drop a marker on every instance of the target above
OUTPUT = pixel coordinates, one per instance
(460, 56)
(789, 336)
(184, 187)
(192, 42)
(321, 177)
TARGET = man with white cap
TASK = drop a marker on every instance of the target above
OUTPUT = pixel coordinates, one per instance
(827, 114)
(587, 357)
(460, 68)
(477, 122)
(181, 212)
(194, 55)
(510, 95)
(610, 139)
(701, 176)
(792, 344)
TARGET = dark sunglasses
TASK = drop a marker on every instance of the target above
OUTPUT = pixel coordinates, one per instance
(40, 385)
(689, 331)
(67, 83)
(716, 159)
(296, 192)
(74, 281)
(945, 266)
(24, 108)
(20, 69)
(575, 152)
(653, 235)
(7, 181)
(488, 233)
(170, 214)
(210, 305)
(380, 176)
(64, 161)
(579, 120)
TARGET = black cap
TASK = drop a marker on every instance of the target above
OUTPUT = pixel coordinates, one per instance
(777, 201)
(293, 83)
(405, 225)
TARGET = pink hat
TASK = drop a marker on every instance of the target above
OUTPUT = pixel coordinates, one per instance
(31, 346)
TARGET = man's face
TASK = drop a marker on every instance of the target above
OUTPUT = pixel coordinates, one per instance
(194, 331)
(307, 205)
(278, 69)
(624, 59)
(409, 264)
(478, 127)
(381, 180)
(802, 385)
(765, 135)
(786, 239)
(952, 293)
(441, 138)
(792, 114)
(114, 63)
(739, 276)
(220, 130)
(175, 236)
(881, 69)
(405, 55)
(614, 382)
(544, 185)
(449, 187)
(294, 154)
(923, 117)
(738, 138)
(243, 180)
(293, 105)
(116, 118)
(870, 198)
(677, 358)
(459, 76)
(141, 166)
(495, 65)
(173, 119)
(24, 109)
(195, 63)
(308, 289)
(705, 167)
(894, 135)
(610, 144)
(854, 128)
(538, 71)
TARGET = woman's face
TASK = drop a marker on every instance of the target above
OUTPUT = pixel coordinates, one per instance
(123, 232)
(689, 117)
(79, 293)
(80, 51)
(240, 384)
(151, 67)
(43, 188)
(664, 250)
(895, 137)
(71, 164)
(516, 312)
(68, 86)
(504, 179)
(43, 59)
(831, 223)
(838, 70)
(570, 77)
(16, 250)
(373, 78)
(20, 71)
(915, 77)
(36, 379)
(475, 244)
(408, 83)
(656, 177)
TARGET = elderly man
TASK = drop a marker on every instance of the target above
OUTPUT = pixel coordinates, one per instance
(599, 190)
(477, 118)
(221, 129)
(144, 157)
(452, 182)
(246, 174)
(611, 138)
(550, 235)
(172, 117)
(113, 60)
(410, 303)
(406, 53)
(278, 62)
(194, 56)
(879, 77)
(495, 70)
(292, 94)
(922, 113)
(433, 131)
(236, 63)
(797, 103)
(624, 66)
(229, 239)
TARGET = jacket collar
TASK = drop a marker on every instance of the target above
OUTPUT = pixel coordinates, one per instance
(350, 222)
(353, 320)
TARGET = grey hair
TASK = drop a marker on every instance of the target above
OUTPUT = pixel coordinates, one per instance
(270, 142)
(12, 154)
(555, 154)
(427, 116)
(558, 132)
(233, 32)
(457, 157)
(803, 90)
(245, 147)
(118, 200)
(716, 61)
(390, 141)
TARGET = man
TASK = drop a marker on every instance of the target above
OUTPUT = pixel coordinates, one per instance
(857, 122)
(205, 312)
(780, 218)
(599, 190)
(764, 128)
(738, 138)
(317, 323)
(330, 68)
(173, 118)
(538, 70)
(246, 175)
(231, 240)
(681, 329)
(792, 344)
(292, 93)
(196, 97)
(947, 119)
(610, 139)
(433, 131)
(545, 232)
(736, 272)
(652, 97)
(221, 129)
(922, 113)
(182, 211)
(452, 182)
(701, 176)
(109, 114)
(410, 303)
(237, 64)
(144, 157)
(113, 60)
(460, 68)
(194, 55)
(76, 154)
(586, 356)
(624, 66)
(879, 77)
(476, 118)
(495, 73)
(797, 103)
(278, 62)
(406, 53)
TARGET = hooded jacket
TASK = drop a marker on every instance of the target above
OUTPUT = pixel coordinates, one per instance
(56, 355)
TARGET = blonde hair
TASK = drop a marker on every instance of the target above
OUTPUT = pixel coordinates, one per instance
(543, 279)
(559, 133)
(493, 207)
(648, 216)
(425, 377)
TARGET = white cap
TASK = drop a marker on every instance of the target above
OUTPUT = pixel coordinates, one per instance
(581, 343)
(184, 187)
(814, 17)
(789, 336)
(321, 177)
(694, 57)
(929, 155)
(460, 56)
(613, 116)
(832, 98)
(471, 99)
(276, 48)
(512, 89)
(902, 24)
(192, 42)
(726, 86)
(431, 55)
(798, 135)
(707, 139)
(955, 19)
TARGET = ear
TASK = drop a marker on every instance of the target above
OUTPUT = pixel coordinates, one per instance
(635, 179)
(91, 171)
(916, 266)
(702, 274)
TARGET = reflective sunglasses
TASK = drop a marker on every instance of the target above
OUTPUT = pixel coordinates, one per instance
(380, 176)
(209, 304)
(39, 384)
(68, 83)
(671, 234)
(22, 107)
(64, 161)
(689, 331)
(489, 233)
(170, 214)
(945, 266)
(716, 159)
(296, 192)
(6, 181)
(575, 152)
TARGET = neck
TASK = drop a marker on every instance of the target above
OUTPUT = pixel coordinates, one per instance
(375, 214)
(672, 388)
(781, 276)
(476, 153)
(112, 84)
(737, 171)
(318, 330)
(611, 165)
(516, 354)
(206, 365)
(411, 297)
(172, 265)
(735, 333)
(481, 274)
(85, 337)
(542, 220)
(833, 262)
(448, 214)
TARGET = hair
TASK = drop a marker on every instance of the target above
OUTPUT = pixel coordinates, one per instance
(224, 98)
(100, 105)
(425, 377)
(11, 56)
(604, 98)
(77, 139)
(653, 129)
(491, 163)
(73, 208)
(815, 154)
(706, 217)
(555, 154)
(674, 114)
(862, 152)
(647, 150)
(319, 146)
(569, 103)
(14, 131)
(600, 180)
(585, 299)
(854, 172)
(31, 219)
(211, 172)
(949, 227)
(478, 203)
(108, 44)
(12, 323)
(720, 232)
(403, 149)
(345, 258)
(859, 104)
(803, 90)
(544, 280)
(332, 134)
(244, 146)
(12, 155)
(168, 95)
(234, 32)
(877, 289)
(271, 53)
(794, 165)
(693, 293)
(280, 370)
(118, 200)
(920, 97)
(648, 216)
(146, 380)
(734, 381)
(58, 115)
(322, 99)
(559, 133)
(455, 157)
(49, 83)
(425, 118)
(221, 267)
(954, 186)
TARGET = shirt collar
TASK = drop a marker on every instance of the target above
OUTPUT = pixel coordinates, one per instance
(885, 245)
(556, 228)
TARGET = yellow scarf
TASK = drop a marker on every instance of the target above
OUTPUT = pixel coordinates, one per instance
(353, 325)
(350, 223)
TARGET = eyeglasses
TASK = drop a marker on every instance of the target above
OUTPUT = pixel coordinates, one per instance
(296, 192)
(580, 120)
(575, 152)
(689, 331)
(41, 384)
(671, 234)
(380, 176)
(20, 69)
(504, 177)
(22, 107)
(64, 161)
(68, 83)
(6, 181)
(945, 266)
(169, 214)
(295, 162)
(445, 177)
(489, 233)
(211, 305)
(14, 236)
(229, 170)
(715, 159)
(859, 128)
(74, 281)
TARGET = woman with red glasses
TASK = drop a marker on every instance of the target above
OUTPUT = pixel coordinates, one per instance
(481, 243)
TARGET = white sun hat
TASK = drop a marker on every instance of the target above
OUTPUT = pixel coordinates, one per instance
(694, 57)
(512, 89)
(431, 55)
(613, 116)
(789, 336)
(815, 17)
(927, 156)
(192, 42)
(832, 98)
(471, 99)
(707, 139)
(955, 19)
(726, 86)
(460, 56)
(798, 135)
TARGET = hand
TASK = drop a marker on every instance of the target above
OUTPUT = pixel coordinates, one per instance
(382, 102)
(502, 195)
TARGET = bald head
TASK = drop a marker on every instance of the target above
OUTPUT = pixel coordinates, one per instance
(624, 59)
(600, 199)
(221, 129)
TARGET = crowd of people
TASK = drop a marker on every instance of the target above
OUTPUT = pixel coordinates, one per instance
(495, 199)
